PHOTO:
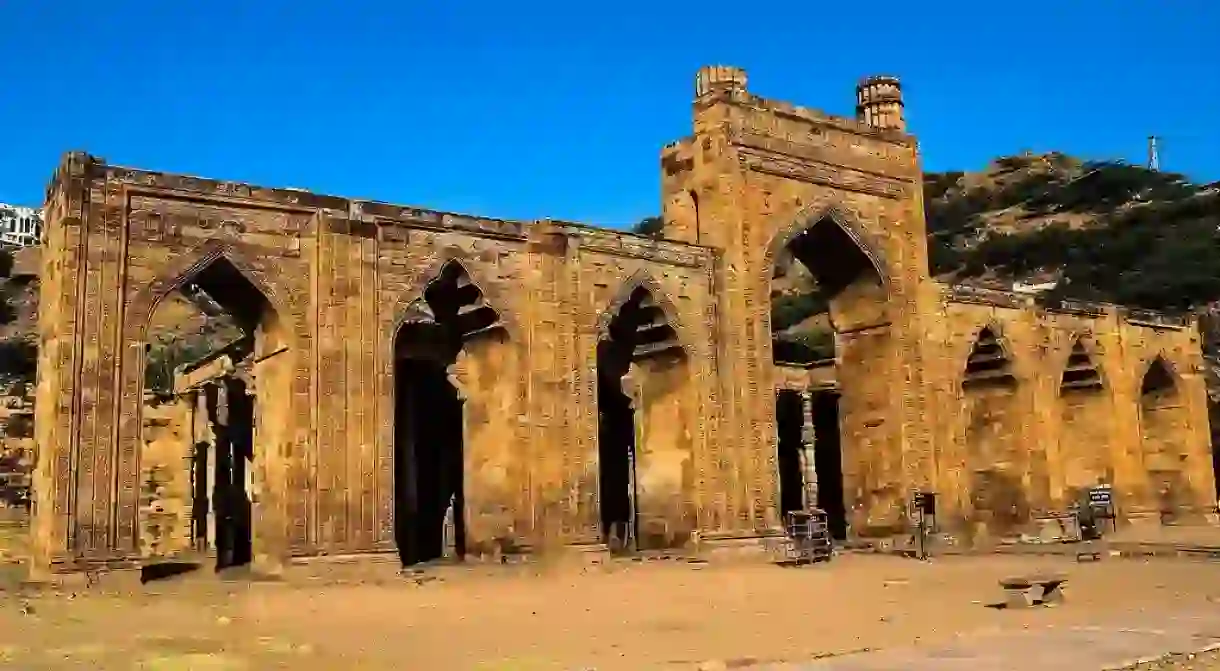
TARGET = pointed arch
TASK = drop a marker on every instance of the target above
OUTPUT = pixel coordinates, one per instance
(1080, 372)
(989, 361)
(189, 266)
(1159, 378)
(813, 218)
(413, 305)
(653, 316)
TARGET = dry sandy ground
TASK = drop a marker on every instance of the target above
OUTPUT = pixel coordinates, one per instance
(1208, 661)
(611, 617)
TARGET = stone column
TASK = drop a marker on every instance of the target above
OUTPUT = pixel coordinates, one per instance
(809, 471)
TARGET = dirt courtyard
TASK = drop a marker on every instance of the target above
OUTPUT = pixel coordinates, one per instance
(616, 616)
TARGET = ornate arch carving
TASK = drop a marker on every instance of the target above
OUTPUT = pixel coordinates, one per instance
(403, 306)
(182, 269)
(814, 215)
(642, 279)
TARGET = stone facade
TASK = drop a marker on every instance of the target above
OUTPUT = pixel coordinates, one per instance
(526, 319)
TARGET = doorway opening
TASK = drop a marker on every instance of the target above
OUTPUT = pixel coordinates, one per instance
(828, 462)
(231, 411)
(615, 448)
(638, 331)
(429, 418)
(789, 422)
(197, 487)
(429, 493)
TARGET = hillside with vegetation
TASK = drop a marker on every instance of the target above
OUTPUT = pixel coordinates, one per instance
(1101, 231)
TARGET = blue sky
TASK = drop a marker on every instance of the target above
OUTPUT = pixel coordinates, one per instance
(533, 109)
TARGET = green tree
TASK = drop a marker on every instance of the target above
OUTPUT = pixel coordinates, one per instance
(650, 226)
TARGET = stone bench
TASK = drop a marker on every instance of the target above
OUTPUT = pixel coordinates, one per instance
(1025, 591)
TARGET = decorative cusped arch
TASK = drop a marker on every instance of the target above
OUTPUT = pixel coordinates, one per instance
(404, 307)
(642, 279)
(833, 213)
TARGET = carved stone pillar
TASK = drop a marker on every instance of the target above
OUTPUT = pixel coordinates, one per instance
(809, 473)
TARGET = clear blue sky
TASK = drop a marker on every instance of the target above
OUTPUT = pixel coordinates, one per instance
(533, 109)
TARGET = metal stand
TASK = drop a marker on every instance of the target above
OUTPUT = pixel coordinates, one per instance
(808, 537)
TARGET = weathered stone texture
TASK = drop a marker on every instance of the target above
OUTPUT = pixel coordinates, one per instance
(341, 277)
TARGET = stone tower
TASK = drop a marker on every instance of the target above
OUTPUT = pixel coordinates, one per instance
(879, 103)
(761, 177)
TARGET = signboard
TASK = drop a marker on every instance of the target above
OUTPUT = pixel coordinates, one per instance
(1101, 500)
(925, 503)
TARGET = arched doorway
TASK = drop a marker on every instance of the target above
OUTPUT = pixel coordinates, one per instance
(829, 308)
(451, 315)
(639, 360)
(217, 375)
(1161, 416)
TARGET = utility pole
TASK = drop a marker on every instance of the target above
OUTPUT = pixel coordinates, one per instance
(1154, 156)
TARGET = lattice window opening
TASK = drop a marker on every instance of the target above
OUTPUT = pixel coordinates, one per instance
(457, 304)
(1081, 372)
(988, 363)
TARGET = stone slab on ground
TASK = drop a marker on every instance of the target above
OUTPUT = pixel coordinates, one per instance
(1113, 645)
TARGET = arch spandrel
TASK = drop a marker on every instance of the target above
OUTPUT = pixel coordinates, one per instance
(405, 307)
(642, 279)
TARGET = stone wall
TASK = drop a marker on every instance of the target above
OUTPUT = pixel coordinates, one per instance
(323, 285)
(1075, 415)
(338, 278)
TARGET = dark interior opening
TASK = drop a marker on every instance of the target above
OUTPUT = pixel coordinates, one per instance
(224, 285)
(833, 257)
(1216, 466)
(428, 462)
(639, 330)
(615, 448)
(233, 424)
(789, 420)
(1158, 380)
(828, 462)
(429, 427)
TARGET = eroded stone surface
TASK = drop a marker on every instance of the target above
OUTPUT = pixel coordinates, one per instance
(330, 283)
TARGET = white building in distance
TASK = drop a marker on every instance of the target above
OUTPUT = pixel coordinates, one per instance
(20, 226)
